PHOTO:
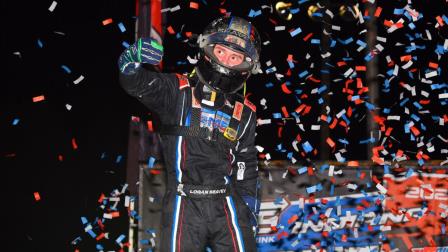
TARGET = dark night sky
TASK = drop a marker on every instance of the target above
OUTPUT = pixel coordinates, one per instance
(101, 110)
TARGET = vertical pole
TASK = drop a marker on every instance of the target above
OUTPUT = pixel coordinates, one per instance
(371, 73)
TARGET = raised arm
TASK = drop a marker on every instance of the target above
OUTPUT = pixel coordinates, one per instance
(155, 90)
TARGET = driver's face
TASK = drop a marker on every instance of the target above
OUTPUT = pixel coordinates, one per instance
(227, 56)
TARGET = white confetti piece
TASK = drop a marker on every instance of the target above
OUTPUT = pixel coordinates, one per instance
(77, 81)
(52, 6)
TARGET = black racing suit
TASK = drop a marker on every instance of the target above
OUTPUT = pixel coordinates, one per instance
(210, 179)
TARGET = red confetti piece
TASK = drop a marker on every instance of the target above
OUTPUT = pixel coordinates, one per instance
(285, 89)
(378, 11)
(439, 20)
(38, 98)
(107, 21)
(150, 127)
(74, 145)
(330, 142)
(285, 112)
(36, 196)
(405, 58)
(433, 65)
(194, 5)
(102, 196)
(360, 68)
(170, 30)
(415, 131)
(307, 36)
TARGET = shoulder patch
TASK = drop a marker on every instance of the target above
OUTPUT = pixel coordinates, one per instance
(183, 81)
(250, 105)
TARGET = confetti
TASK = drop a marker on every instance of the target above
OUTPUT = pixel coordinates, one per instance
(39, 98)
(107, 21)
(52, 6)
(37, 196)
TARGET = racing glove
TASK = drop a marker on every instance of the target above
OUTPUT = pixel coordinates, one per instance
(144, 50)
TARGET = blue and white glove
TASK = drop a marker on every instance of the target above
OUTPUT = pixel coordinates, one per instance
(145, 50)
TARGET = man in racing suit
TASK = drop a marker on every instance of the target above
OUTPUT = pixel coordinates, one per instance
(207, 134)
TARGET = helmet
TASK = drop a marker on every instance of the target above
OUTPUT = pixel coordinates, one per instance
(234, 33)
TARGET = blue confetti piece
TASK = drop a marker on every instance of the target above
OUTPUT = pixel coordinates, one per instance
(15, 121)
(125, 44)
(355, 97)
(302, 170)
(421, 162)
(307, 147)
(415, 117)
(347, 41)
(361, 43)
(277, 115)
(66, 69)
(315, 41)
(333, 43)
(404, 102)
(39, 43)
(99, 247)
(120, 238)
(291, 64)
(398, 11)
(254, 13)
(445, 19)
(322, 89)
(369, 105)
(317, 14)
(314, 188)
(368, 57)
(121, 26)
(302, 74)
(91, 233)
(84, 220)
(144, 242)
(417, 105)
(422, 127)
(342, 140)
(118, 160)
(302, 1)
(270, 70)
(295, 32)
(411, 26)
(151, 161)
(294, 11)
(269, 85)
(386, 169)
(289, 155)
(103, 155)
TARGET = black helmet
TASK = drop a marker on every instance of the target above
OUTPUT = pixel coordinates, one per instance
(236, 34)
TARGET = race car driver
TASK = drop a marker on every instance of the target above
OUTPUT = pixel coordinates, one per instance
(207, 134)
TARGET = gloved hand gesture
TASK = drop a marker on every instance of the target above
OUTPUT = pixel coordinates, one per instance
(144, 50)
